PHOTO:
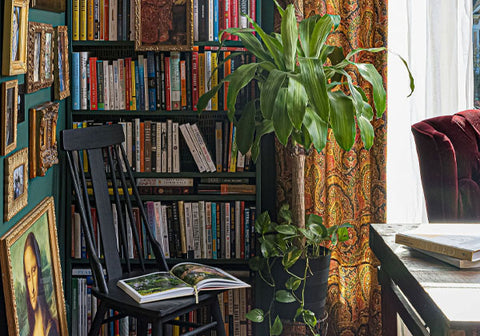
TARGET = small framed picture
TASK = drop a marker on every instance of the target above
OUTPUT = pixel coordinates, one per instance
(9, 116)
(163, 25)
(16, 183)
(21, 104)
(40, 56)
(62, 79)
(14, 58)
(32, 275)
(49, 5)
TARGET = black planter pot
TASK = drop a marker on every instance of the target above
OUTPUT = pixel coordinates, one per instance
(315, 288)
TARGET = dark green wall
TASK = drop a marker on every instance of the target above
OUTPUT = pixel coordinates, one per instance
(51, 183)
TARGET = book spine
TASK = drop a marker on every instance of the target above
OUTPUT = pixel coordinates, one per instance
(169, 146)
(90, 20)
(165, 181)
(168, 101)
(93, 83)
(189, 229)
(75, 81)
(152, 190)
(201, 74)
(183, 85)
(145, 84)
(83, 20)
(137, 144)
(215, 19)
(112, 29)
(208, 229)
(243, 8)
(234, 16)
(121, 83)
(188, 80)
(164, 147)
(141, 84)
(195, 20)
(175, 84)
(197, 250)
(194, 77)
(100, 86)
(210, 19)
(106, 20)
(192, 148)
(106, 86)
(208, 74)
(203, 147)
(162, 81)
(154, 146)
(96, 20)
(101, 18)
(75, 20)
(128, 83)
(175, 148)
(214, 80)
(214, 230)
(158, 82)
(147, 146)
(158, 158)
(203, 229)
(152, 94)
(218, 146)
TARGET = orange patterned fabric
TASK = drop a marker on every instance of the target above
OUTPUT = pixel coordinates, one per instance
(350, 186)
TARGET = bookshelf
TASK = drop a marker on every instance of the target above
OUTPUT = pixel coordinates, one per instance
(114, 50)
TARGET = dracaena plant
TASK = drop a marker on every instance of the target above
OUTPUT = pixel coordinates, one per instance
(278, 244)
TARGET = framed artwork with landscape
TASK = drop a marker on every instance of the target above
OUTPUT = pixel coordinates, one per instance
(40, 56)
(62, 79)
(32, 276)
(49, 5)
(16, 183)
(9, 116)
(15, 24)
(163, 25)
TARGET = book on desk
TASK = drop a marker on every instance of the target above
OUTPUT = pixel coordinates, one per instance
(457, 244)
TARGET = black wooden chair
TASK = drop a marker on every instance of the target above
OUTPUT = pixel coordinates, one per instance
(106, 157)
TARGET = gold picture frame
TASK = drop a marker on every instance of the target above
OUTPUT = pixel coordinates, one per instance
(40, 56)
(16, 183)
(49, 5)
(62, 79)
(43, 138)
(9, 116)
(163, 25)
(30, 264)
(14, 58)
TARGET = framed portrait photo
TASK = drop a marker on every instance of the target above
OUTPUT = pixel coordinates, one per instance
(163, 25)
(49, 5)
(40, 56)
(32, 276)
(14, 57)
(9, 116)
(62, 79)
(16, 183)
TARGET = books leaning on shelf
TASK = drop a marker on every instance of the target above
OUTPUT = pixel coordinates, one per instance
(461, 241)
(184, 279)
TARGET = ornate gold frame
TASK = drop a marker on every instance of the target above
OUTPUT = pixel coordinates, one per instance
(17, 235)
(14, 204)
(43, 138)
(61, 55)
(49, 5)
(8, 147)
(152, 9)
(35, 28)
(15, 67)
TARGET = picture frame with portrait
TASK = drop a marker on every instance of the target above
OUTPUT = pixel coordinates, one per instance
(9, 116)
(40, 57)
(15, 183)
(14, 57)
(62, 77)
(32, 275)
(49, 5)
(163, 25)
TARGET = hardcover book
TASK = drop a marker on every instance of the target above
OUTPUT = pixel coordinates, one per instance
(184, 279)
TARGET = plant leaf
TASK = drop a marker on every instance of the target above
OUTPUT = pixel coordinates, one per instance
(284, 214)
(342, 119)
(267, 248)
(292, 283)
(322, 29)
(256, 263)
(277, 327)
(281, 11)
(284, 297)
(281, 122)
(266, 126)
(312, 77)
(255, 315)
(317, 128)
(286, 229)
(291, 257)
(271, 43)
(205, 98)
(251, 42)
(269, 92)
(319, 230)
(309, 318)
(371, 74)
(262, 223)
(296, 103)
(342, 233)
(305, 30)
(366, 131)
(245, 129)
(238, 79)
(289, 32)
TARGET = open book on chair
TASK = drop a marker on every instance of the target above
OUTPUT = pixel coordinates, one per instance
(183, 279)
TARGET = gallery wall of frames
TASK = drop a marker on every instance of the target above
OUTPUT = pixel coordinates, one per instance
(34, 84)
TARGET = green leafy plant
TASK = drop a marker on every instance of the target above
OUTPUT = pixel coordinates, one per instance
(279, 243)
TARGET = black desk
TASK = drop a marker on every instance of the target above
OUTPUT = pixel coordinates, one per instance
(423, 290)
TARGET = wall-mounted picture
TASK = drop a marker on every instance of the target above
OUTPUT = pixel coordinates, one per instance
(15, 37)
(49, 5)
(62, 79)
(163, 25)
(21, 104)
(16, 183)
(40, 56)
(32, 276)
(9, 116)
(43, 138)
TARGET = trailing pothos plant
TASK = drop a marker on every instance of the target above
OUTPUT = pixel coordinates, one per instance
(279, 243)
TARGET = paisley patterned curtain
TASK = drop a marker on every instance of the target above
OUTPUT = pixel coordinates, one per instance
(349, 186)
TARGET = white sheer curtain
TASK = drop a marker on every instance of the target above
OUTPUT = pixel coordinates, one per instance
(435, 37)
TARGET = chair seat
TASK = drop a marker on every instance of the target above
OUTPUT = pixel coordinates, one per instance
(118, 299)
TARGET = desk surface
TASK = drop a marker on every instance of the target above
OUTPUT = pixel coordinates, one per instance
(440, 293)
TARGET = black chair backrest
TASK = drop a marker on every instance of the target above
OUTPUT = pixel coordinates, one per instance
(109, 175)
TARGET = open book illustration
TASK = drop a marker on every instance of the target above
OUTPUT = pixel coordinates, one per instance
(183, 279)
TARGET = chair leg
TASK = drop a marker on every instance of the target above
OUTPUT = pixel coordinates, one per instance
(217, 315)
(157, 328)
(142, 327)
(97, 321)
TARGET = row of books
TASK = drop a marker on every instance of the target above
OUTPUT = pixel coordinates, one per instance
(113, 20)
(156, 146)
(156, 81)
(193, 230)
(233, 304)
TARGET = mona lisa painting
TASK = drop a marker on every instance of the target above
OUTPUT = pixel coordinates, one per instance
(32, 278)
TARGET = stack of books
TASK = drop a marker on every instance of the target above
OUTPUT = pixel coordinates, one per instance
(455, 244)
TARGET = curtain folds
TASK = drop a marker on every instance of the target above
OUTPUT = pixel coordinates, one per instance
(349, 186)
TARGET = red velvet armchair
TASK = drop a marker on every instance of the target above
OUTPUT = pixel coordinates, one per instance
(449, 159)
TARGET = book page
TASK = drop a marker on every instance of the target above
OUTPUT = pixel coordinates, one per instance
(198, 274)
(155, 283)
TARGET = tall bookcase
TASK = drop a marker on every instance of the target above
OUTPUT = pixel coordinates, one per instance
(113, 50)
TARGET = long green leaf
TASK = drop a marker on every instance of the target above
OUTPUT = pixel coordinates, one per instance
(277, 327)
(245, 131)
(366, 131)
(371, 74)
(281, 121)
(342, 119)
(289, 32)
(320, 33)
(269, 92)
(250, 42)
(281, 11)
(317, 128)
(205, 98)
(265, 127)
(305, 30)
(271, 43)
(362, 108)
(284, 296)
(238, 79)
(313, 78)
(255, 315)
(296, 103)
